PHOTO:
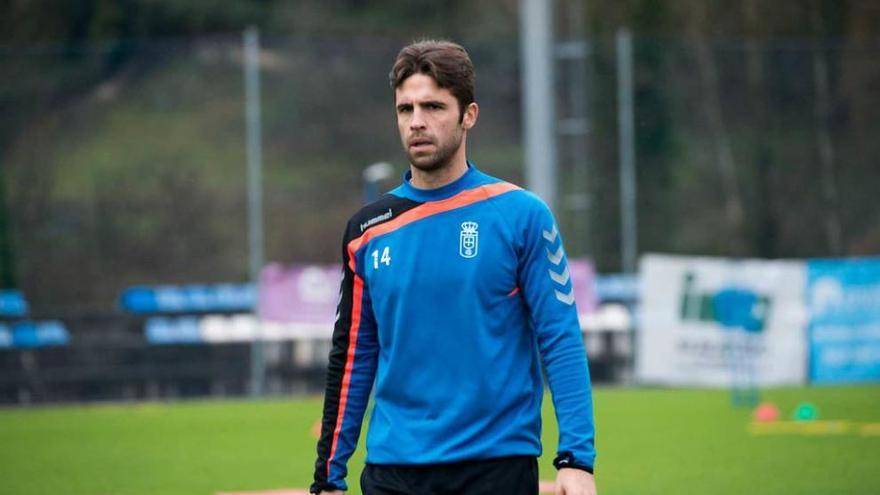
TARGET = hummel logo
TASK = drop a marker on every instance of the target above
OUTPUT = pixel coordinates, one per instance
(565, 298)
(375, 220)
(560, 278)
(556, 257)
(551, 235)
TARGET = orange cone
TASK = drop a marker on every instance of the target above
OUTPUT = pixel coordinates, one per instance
(766, 412)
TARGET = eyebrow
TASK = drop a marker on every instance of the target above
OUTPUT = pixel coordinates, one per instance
(437, 103)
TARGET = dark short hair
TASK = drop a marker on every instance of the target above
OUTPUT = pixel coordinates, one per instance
(446, 62)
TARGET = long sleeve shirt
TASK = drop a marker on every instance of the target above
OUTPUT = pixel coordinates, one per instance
(451, 301)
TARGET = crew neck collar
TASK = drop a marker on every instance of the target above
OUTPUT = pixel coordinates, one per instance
(467, 181)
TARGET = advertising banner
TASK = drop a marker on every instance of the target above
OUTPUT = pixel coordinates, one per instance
(5, 337)
(33, 334)
(189, 298)
(299, 293)
(844, 306)
(12, 303)
(308, 294)
(721, 322)
(583, 283)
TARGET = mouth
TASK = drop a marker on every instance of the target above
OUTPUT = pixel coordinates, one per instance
(418, 144)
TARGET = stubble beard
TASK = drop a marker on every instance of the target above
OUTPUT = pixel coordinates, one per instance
(439, 159)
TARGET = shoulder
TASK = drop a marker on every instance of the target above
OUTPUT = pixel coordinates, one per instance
(510, 193)
(522, 202)
(385, 209)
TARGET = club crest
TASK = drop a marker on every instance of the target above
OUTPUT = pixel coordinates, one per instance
(468, 240)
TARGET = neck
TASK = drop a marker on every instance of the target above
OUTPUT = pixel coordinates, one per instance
(439, 177)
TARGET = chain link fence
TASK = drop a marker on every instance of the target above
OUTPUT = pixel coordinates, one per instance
(124, 165)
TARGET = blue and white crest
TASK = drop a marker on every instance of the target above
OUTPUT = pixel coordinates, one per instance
(469, 240)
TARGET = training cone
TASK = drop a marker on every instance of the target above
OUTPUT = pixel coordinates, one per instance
(805, 411)
(766, 413)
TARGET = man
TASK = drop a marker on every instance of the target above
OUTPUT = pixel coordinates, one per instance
(455, 290)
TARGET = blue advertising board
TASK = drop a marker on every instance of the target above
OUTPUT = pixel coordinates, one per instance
(618, 287)
(173, 330)
(12, 303)
(843, 298)
(189, 298)
(5, 337)
(33, 334)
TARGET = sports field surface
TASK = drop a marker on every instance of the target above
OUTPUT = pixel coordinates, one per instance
(650, 441)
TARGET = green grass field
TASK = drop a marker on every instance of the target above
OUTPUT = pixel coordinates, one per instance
(649, 441)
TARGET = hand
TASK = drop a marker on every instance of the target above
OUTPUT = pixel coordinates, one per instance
(334, 492)
(571, 481)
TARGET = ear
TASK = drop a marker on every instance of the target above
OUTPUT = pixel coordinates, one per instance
(469, 119)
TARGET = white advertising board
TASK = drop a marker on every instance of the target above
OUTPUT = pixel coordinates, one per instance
(716, 322)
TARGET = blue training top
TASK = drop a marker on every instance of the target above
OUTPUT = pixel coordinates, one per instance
(451, 299)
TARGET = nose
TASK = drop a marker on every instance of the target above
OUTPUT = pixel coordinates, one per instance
(417, 121)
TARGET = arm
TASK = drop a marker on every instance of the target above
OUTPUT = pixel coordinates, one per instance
(546, 284)
(350, 375)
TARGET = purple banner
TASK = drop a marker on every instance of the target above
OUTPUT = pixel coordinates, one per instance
(299, 293)
(583, 280)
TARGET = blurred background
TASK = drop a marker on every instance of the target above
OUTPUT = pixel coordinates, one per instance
(175, 177)
(164, 165)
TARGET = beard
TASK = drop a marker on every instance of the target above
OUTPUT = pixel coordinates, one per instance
(437, 160)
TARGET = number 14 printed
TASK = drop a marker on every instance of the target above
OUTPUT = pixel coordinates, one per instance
(385, 259)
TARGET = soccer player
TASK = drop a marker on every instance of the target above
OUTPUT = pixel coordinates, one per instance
(455, 291)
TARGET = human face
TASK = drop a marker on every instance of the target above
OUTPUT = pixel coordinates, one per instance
(431, 127)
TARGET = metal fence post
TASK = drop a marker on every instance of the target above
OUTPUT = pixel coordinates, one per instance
(254, 191)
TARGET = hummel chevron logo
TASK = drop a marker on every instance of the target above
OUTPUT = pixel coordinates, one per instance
(560, 278)
(566, 298)
(551, 235)
(556, 257)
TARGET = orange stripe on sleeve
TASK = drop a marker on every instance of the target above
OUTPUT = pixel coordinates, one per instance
(357, 301)
(461, 199)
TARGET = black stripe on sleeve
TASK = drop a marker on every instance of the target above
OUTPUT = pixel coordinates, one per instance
(370, 216)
